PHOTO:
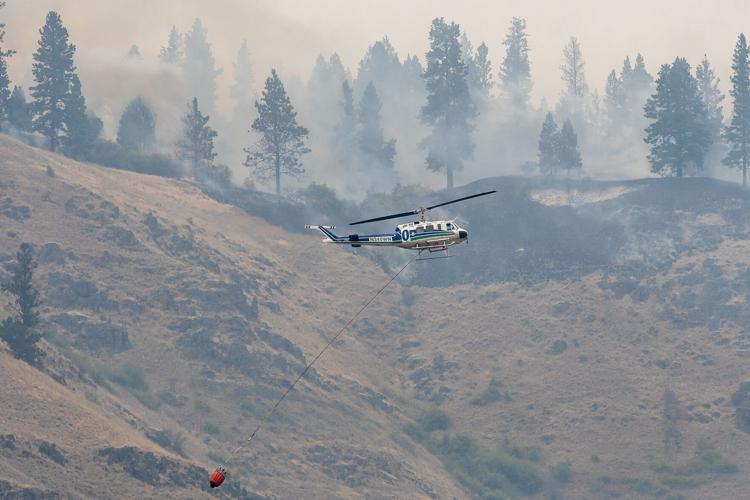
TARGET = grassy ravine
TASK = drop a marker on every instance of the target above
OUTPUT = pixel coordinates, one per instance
(491, 474)
(701, 469)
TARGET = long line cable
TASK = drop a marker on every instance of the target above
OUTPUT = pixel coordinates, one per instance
(307, 368)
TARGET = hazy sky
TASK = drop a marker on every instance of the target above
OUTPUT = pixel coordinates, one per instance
(290, 34)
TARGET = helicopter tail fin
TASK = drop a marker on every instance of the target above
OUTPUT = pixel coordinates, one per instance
(328, 231)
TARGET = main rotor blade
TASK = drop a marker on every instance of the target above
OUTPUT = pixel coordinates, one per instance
(462, 199)
(385, 217)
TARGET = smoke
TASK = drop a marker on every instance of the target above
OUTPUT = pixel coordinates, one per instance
(110, 81)
(290, 35)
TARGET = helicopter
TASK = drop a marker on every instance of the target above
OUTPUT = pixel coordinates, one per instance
(423, 235)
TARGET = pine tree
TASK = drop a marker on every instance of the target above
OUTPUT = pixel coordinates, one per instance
(135, 53)
(639, 80)
(678, 136)
(712, 97)
(614, 97)
(172, 53)
(323, 90)
(196, 146)
(54, 73)
(242, 91)
(199, 67)
(19, 111)
(478, 67)
(376, 151)
(20, 332)
(737, 133)
(482, 76)
(467, 51)
(568, 155)
(572, 69)
(636, 86)
(83, 129)
(282, 140)
(449, 109)
(137, 128)
(412, 75)
(626, 73)
(345, 141)
(380, 65)
(4, 89)
(548, 146)
(4, 80)
(515, 70)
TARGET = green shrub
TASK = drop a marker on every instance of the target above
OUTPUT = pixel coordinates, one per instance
(130, 377)
(96, 371)
(434, 420)
(110, 154)
(487, 396)
(530, 453)
(146, 399)
(491, 470)
(706, 461)
(210, 428)
(640, 486)
(170, 440)
(415, 432)
(563, 473)
(681, 483)
(167, 397)
(202, 407)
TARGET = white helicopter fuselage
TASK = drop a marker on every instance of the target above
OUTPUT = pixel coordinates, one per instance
(420, 235)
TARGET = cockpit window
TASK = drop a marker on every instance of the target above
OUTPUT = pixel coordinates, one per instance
(449, 226)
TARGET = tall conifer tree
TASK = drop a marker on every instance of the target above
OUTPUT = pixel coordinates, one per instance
(242, 91)
(282, 140)
(573, 69)
(449, 109)
(196, 146)
(199, 66)
(376, 151)
(82, 128)
(568, 155)
(19, 111)
(737, 132)
(345, 141)
(548, 145)
(19, 331)
(678, 136)
(712, 97)
(4, 80)
(137, 128)
(54, 73)
(172, 53)
(515, 69)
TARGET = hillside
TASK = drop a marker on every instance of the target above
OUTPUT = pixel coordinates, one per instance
(587, 341)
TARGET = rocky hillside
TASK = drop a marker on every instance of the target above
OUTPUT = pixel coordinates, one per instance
(589, 342)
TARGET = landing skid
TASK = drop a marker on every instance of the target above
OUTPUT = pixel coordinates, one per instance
(434, 250)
